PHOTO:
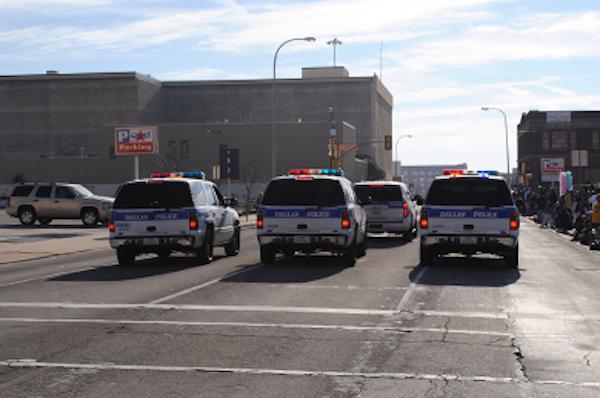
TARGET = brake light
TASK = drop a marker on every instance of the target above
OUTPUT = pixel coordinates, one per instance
(424, 223)
(111, 224)
(345, 219)
(404, 209)
(260, 223)
(193, 221)
(514, 221)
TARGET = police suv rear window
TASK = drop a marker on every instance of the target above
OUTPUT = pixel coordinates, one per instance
(469, 192)
(315, 192)
(154, 195)
(23, 190)
(387, 193)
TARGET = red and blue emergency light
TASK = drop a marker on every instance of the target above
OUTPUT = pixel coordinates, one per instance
(326, 172)
(180, 174)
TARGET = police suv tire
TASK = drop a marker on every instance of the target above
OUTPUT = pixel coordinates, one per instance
(362, 248)
(233, 247)
(125, 256)
(349, 257)
(408, 236)
(27, 215)
(205, 253)
(89, 217)
(267, 255)
(45, 221)
(426, 256)
(512, 260)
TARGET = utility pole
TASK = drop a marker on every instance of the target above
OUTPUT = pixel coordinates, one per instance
(332, 140)
(335, 42)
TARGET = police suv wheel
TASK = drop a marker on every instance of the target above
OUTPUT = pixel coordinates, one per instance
(125, 256)
(205, 253)
(233, 247)
(267, 255)
(27, 215)
(512, 260)
(426, 256)
(349, 257)
(362, 248)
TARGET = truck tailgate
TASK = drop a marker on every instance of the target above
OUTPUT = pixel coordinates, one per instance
(149, 223)
(469, 220)
(299, 221)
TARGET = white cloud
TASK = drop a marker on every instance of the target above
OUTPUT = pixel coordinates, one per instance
(33, 4)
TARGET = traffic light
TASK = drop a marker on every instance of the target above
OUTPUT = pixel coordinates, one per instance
(387, 142)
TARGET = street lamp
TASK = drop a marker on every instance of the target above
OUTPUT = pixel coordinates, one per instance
(396, 151)
(273, 132)
(487, 108)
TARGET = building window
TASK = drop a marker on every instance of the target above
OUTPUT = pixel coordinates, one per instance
(596, 140)
(559, 140)
(171, 150)
(185, 150)
(545, 141)
(573, 142)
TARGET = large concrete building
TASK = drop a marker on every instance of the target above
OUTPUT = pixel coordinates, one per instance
(60, 126)
(554, 141)
(419, 178)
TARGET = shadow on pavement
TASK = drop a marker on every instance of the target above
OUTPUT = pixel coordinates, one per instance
(386, 242)
(295, 269)
(142, 268)
(466, 271)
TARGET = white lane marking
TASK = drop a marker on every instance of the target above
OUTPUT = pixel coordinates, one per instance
(31, 363)
(203, 285)
(409, 292)
(200, 307)
(54, 275)
(339, 287)
(257, 325)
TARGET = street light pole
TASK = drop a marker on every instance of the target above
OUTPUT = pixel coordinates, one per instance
(487, 108)
(396, 152)
(273, 113)
(335, 42)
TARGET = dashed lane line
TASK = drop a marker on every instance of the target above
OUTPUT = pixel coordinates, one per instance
(45, 276)
(354, 328)
(31, 363)
(409, 292)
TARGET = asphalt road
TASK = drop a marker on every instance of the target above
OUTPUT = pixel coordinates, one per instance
(81, 326)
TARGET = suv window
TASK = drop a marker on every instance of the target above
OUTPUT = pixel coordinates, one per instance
(469, 192)
(64, 193)
(43, 192)
(154, 195)
(22, 190)
(379, 194)
(317, 192)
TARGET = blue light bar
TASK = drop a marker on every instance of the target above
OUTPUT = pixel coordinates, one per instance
(194, 174)
(487, 173)
(327, 172)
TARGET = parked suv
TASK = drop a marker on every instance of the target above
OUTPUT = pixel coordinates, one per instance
(44, 202)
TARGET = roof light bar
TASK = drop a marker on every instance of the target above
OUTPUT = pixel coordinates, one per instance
(180, 174)
(453, 172)
(329, 172)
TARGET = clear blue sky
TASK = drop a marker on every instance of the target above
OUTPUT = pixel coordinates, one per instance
(442, 60)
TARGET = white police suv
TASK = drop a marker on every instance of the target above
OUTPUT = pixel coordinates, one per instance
(311, 210)
(172, 212)
(469, 212)
(389, 207)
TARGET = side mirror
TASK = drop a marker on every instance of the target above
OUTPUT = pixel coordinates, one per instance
(231, 202)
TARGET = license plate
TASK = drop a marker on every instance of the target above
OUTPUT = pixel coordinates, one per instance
(150, 241)
(301, 239)
(468, 240)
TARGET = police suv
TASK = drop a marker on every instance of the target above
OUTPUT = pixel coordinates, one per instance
(172, 212)
(311, 210)
(469, 212)
(389, 207)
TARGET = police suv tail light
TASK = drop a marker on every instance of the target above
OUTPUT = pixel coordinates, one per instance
(514, 221)
(424, 223)
(405, 209)
(260, 222)
(111, 224)
(345, 219)
(193, 221)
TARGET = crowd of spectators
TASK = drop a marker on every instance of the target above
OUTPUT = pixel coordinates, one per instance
(575, 212)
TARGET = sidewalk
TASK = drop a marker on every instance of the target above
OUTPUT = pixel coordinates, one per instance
(22, 248)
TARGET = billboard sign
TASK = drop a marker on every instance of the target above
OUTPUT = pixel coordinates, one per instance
(553, 165)
(136, 140)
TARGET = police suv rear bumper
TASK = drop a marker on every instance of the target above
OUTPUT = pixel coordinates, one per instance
(388, 226)
(156, 243)
(299, 242)
(497, 244)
